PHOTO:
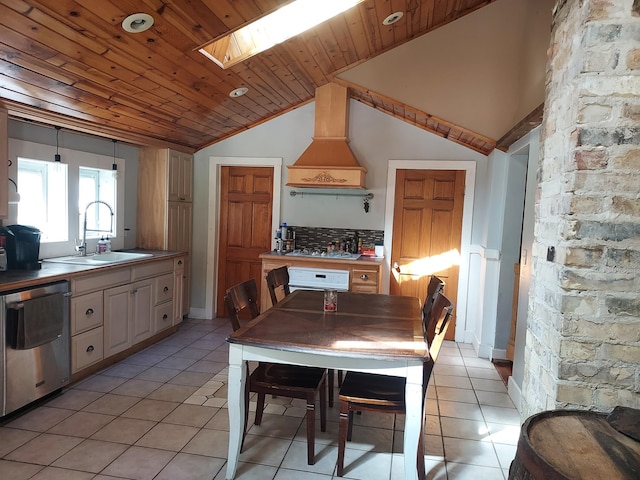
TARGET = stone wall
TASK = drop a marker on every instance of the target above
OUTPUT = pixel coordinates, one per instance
(583, 337)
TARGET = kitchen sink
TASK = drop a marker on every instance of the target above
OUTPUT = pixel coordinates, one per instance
(101, 259)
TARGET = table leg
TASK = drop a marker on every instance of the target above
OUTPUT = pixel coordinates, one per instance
(235, 397)
(413, 419)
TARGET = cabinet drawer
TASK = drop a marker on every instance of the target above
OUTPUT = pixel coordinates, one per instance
(151, 269)
(86, 349)
(163, 288)
(364, 281)
(178, 263)
(87, 312)
(364, 288)
(100, 281)
(163, 316)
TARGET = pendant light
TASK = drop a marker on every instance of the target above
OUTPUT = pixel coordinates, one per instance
(57, 156)
(114, 165)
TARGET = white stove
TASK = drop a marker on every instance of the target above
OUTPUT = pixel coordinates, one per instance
(318, 279)
(319, 254)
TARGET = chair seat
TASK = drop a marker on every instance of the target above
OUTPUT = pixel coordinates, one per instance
(287, 377)
(373, 389)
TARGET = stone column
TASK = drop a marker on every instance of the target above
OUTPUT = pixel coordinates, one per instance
(583, 335)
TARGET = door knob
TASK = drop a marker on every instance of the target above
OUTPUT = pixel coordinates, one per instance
(396, 267)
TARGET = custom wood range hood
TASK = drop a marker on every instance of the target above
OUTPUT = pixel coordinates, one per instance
(329, 162)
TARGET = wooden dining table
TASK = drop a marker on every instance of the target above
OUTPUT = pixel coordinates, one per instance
(373, 333)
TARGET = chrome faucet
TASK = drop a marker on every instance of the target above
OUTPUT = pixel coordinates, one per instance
(82, 248)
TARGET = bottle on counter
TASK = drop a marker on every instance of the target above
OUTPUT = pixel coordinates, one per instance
(283, 229)
(102, 245)
(107, 243)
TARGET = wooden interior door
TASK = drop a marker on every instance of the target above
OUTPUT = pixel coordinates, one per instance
(246, 201)
(427, 230)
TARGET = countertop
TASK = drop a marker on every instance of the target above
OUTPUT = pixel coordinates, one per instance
(321, 260)
(53, 272)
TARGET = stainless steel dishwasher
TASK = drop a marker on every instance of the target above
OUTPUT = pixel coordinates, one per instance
(35, 355)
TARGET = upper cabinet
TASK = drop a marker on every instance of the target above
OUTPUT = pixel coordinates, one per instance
(180, 177)
(4, 163)
(165, 193)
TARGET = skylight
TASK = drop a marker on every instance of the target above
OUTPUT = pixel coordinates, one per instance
(286, 22)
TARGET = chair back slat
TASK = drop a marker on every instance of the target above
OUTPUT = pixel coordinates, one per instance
(242, 298)
(278, 282)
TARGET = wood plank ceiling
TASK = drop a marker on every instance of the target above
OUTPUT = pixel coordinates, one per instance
(69, 62)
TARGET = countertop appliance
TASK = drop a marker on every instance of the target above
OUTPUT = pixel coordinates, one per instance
(23, 247)
(35, 344)
(318, 279)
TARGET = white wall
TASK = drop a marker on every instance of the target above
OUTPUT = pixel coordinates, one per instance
(86, 143)
(528, 146)
(375, 138)
(484, 71)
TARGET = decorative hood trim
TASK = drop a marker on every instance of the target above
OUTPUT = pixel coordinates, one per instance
(328, 161)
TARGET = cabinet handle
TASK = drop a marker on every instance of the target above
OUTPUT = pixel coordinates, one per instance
(165, 316)
(179, 262)
(165, 289)
(364, 276)
(133, 292)
(90, 349)
(89, 312)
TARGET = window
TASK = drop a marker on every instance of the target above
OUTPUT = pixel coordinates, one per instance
(45, 206)
(54, 196)
(96, 185)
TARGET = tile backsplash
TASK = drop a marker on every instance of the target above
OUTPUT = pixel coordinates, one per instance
(314, 238)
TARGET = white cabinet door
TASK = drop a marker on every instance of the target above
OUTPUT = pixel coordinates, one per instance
(141, 310)
(117, 334)
(178, 289)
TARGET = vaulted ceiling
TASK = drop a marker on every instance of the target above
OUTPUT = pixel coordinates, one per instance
(70, 62)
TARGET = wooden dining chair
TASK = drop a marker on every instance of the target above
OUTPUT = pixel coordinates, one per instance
(278, 285)
(436, 285)
(383, 393)
(290, 381)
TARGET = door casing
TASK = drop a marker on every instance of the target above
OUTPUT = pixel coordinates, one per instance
(213, 230)
(463, 330)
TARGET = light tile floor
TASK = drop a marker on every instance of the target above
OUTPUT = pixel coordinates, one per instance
(160, 414)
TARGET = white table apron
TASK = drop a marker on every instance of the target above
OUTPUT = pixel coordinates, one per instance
(411, 369)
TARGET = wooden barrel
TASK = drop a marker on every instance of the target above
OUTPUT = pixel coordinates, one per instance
(573, 445)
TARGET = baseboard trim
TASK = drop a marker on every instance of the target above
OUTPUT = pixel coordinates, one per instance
(199, 313)
(515, 393)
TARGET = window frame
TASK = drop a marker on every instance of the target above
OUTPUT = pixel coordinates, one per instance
(74, 160)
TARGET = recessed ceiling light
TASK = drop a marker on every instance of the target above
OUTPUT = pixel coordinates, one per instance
(238, 92)
(138, 22)
(393, 18)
